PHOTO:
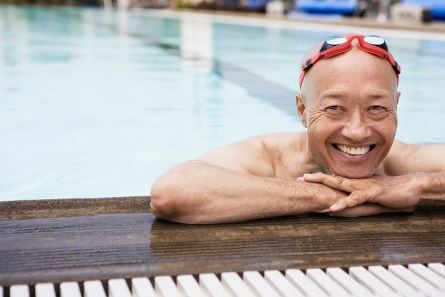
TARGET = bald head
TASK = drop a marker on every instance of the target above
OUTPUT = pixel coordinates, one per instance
(345, 64)
(310, 53)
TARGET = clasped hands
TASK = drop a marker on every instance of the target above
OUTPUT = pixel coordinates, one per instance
(369, 196)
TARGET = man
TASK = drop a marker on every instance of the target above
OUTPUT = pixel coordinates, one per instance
(346, 164)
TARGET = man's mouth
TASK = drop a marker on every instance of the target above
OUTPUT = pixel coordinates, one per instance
(353, 150)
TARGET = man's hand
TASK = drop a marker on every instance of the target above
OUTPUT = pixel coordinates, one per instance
(380, 193)
(368, 209)
(315, 197)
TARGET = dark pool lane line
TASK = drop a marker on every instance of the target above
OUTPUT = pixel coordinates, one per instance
(255, 85)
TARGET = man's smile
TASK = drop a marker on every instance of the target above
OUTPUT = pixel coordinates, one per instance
(353, 150)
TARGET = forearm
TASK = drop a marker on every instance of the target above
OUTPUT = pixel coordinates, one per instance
(432, 185)
(197, 192)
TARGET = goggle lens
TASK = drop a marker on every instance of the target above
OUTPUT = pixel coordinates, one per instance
(374, 40)
(336, 41)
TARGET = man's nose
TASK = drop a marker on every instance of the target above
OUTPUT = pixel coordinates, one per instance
(356, 128)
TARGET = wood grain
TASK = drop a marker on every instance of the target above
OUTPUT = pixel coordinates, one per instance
(118, 237)
(23, 209)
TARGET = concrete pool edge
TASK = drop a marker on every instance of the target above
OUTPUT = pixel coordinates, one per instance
(434, 31)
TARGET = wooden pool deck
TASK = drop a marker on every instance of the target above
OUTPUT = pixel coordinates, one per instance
(82, 239)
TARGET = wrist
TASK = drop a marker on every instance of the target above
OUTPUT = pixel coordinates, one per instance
(301, 197)
(313, 197)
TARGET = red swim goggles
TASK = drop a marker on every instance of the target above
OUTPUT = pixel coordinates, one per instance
(372, 44)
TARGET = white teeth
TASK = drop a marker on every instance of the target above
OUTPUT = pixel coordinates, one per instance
(353, 150)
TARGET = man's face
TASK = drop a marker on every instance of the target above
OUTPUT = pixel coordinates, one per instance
(350, 112)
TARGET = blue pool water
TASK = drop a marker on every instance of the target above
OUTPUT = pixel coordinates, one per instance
(96, 103)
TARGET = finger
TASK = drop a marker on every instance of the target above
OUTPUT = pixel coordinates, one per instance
(357, 197)
(314, 177)
(334, 181)
(324, 210)
(354, 199)
(366, 209)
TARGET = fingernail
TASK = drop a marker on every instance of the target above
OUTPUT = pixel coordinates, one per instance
(300, 178)
(336, 207)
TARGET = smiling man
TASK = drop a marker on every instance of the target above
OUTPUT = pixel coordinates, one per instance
(347, 163)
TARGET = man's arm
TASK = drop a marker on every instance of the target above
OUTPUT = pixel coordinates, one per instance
(416, 172)
(234, 183)
(407, 158)
(428, 162)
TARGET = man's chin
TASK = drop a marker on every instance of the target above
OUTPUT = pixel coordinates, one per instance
(355, 173)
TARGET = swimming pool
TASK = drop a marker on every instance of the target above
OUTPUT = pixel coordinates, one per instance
(98, 103)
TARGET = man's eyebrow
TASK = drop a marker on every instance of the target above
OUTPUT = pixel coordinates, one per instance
(378, 96)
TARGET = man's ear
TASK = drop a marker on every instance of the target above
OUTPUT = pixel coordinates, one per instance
(301, 109)
(397, 97)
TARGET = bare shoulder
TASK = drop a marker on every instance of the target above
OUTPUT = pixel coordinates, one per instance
(406, 158)
(288, 154)
(255, 155)
(397, 160)
(283, 140)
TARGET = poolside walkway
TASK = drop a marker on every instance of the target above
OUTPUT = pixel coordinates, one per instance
(317, 22)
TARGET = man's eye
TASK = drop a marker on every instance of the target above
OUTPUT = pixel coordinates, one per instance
(334, 109)
(377, 109)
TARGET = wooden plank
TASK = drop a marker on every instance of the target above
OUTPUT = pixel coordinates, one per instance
(125, 245)
(27, 209)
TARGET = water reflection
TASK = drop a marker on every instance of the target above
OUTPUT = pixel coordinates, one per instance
(99, 103)
(197, 40)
